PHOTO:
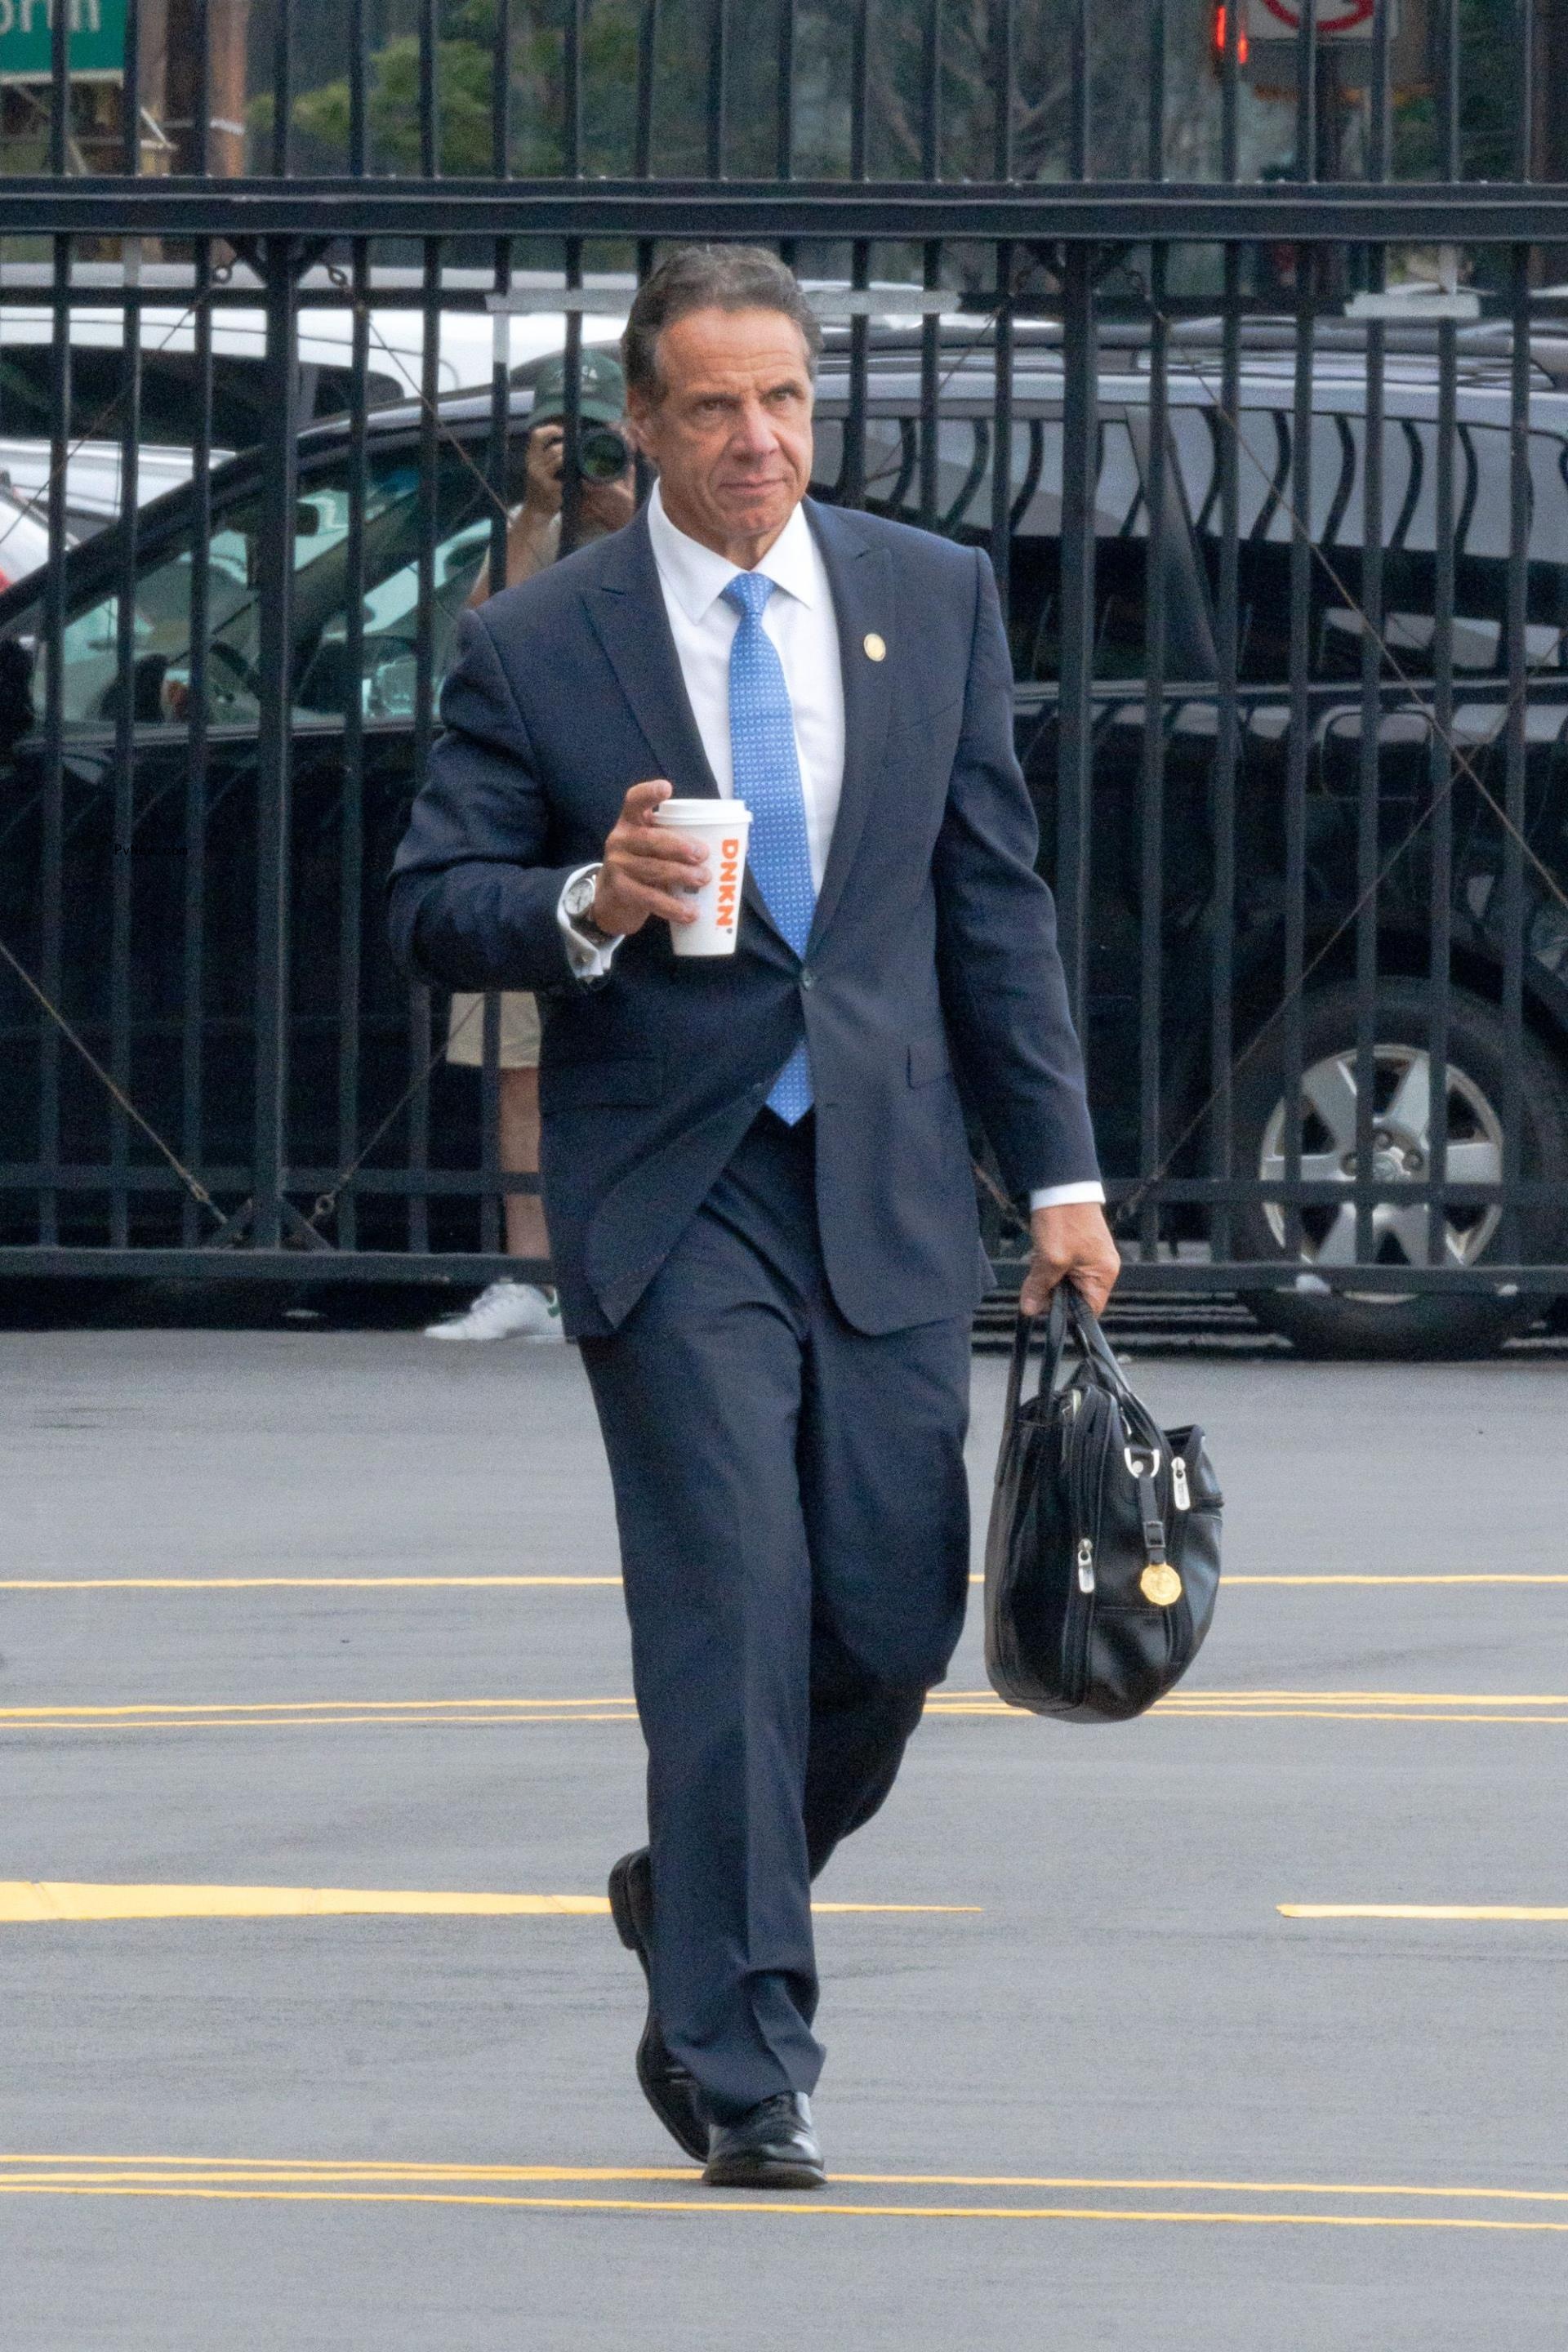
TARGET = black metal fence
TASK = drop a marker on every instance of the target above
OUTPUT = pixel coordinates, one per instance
(1273, 474)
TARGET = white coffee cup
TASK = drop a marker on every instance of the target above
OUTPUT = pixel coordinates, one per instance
(723, 827)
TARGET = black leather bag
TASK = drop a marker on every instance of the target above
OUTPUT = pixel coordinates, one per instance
(1102, 1558)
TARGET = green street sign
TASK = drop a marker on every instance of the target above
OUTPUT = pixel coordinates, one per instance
(97, 49)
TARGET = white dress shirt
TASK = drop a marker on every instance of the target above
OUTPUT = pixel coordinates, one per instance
(800, 619)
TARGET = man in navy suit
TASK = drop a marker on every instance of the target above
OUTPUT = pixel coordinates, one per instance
(755, 1167)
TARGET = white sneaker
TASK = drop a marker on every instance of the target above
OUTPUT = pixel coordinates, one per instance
(505, 1310)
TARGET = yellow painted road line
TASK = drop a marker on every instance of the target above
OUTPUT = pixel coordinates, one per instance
(1498, 1576)
(330, 2170)
(805, 2208)
(1449, 1911)
(304, 1706)
(1343, 1714)
(1263, 1706)
(24, 1901)
(284, 1583)
(1372, 1697)
(501, 1583)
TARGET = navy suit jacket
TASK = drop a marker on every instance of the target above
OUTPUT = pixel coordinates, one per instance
(933, 944)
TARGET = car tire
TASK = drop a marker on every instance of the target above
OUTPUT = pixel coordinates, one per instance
(1369, 1324)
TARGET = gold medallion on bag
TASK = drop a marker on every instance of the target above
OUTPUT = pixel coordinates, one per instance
(1160, 1583)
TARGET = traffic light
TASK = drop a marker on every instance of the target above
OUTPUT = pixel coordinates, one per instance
(1222, 33)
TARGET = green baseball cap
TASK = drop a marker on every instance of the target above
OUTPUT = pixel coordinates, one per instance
(603, 399)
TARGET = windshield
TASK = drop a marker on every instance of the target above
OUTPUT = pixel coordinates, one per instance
(166, 619)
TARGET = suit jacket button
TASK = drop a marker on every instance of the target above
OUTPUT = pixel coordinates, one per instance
(808, 978)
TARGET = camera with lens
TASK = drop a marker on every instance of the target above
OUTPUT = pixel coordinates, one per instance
(601, 454)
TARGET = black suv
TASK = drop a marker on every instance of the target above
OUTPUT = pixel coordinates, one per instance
(112, 878)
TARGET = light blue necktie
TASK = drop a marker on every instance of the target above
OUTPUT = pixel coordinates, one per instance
(767, 778)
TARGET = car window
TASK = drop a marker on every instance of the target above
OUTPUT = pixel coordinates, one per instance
(1265, 489)
(164, 679)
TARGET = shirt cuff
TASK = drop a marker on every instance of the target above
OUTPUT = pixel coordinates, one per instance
(589, 959)
(1059, 1196)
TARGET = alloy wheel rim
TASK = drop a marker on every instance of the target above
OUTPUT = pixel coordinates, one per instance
(1402, 1153)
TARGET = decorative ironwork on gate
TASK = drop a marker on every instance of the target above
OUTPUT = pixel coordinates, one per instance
(1242, 347)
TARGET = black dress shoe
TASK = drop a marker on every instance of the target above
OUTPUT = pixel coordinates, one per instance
(774, 2146)
(666, 2085)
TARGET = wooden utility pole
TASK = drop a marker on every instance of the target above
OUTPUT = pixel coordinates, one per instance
(228, 28)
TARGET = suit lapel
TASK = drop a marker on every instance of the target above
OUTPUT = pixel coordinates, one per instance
(860, 577)
(625, 606)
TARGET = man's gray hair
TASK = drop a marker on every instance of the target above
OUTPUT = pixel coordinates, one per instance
(709, 278)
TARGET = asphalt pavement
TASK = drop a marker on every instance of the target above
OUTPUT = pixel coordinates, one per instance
(302, 1611)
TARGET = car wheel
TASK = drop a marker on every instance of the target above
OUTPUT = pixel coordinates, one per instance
(1369, 1322)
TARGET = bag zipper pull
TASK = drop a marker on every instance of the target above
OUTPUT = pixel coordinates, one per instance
(1179, 1490)
(1085, 1565)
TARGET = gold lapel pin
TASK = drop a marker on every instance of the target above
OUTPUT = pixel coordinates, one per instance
(876, 646)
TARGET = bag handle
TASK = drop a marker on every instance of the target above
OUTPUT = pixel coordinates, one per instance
(1069, 1307)
(1097, 1349)
(1051, 1355)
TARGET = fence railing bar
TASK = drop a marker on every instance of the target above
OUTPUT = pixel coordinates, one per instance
(274, 744)
(282, 141)
(572, 408)
(1379, 114)
(51, 943)
(60, 92)
(359, 77)
(1097, 211)
(418, 1156)
(1075, 758)
(1440, 901)
(1515, 755)
(500, 93)
(128, 689)
(1307, 90)
(131, 99)
(1298, 752)
(493, 1185)
(1222, 955)
(930, 92)
(852, 473)
(572, 89)
(1079, 113)
(783, 102)
(351, 878)
(1002, 435)
(1151, 777)
(429, 93)
(1230, 93)
(1447, 15)
(1154, 27)
(647, 60)
(718, 88)
(1369, 767)
(931, 374)
(1004, 81)
(195, 813)
(860, 86)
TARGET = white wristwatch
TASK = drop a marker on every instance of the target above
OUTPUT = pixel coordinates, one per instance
(577, 904)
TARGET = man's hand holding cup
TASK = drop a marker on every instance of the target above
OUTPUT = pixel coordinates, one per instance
(647, 870)
(682, 859)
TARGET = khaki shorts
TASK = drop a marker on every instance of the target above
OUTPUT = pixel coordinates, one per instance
(519, 1032)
